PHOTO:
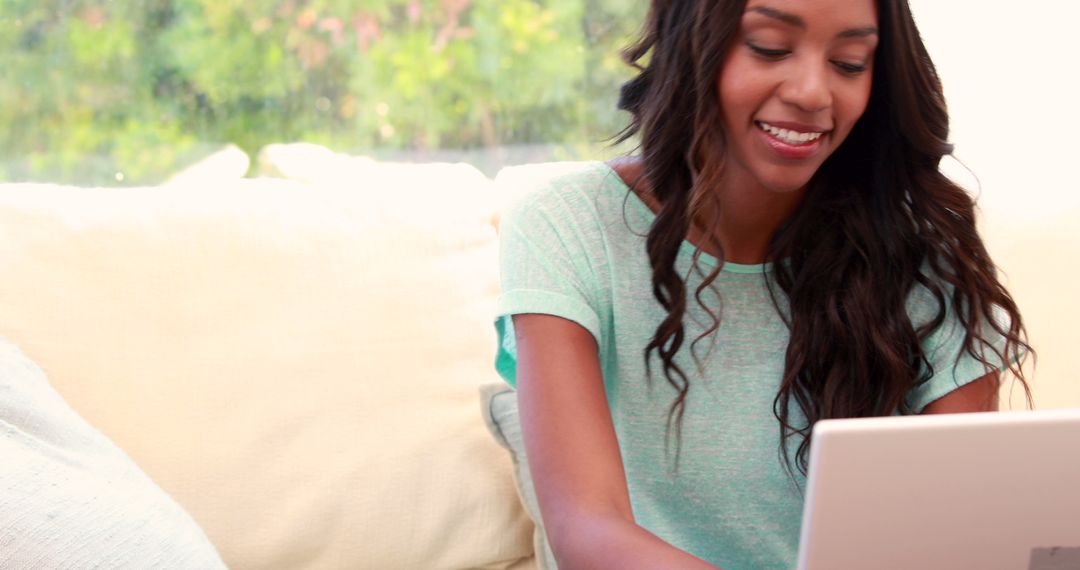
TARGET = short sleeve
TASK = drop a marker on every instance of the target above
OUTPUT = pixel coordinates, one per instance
(549, 249)
(952, 366)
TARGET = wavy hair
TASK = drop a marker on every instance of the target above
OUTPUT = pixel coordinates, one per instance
(894, 222)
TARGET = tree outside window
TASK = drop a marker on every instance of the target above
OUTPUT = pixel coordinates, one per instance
(98, 92)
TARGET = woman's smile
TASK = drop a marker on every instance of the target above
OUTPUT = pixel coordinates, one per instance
(791, 140)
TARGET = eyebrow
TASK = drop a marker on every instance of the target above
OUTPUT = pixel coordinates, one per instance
(798, 22)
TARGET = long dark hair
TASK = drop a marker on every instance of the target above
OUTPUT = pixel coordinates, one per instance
(878, 219)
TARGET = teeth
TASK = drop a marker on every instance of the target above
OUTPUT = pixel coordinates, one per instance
(788, 136)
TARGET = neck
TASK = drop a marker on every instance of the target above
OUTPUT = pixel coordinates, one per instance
(748, 217)
(747, 214)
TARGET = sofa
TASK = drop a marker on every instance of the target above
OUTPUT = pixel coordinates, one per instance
(295, 360)
(303, 360)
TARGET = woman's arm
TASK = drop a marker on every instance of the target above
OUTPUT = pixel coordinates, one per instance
(574, 455)
(976, 396)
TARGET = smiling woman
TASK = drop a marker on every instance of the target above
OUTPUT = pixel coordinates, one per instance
(783, 249)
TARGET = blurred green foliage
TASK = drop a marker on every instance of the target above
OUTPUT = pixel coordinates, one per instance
(94, 88)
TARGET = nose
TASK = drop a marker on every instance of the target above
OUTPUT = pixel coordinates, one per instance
(807, 87)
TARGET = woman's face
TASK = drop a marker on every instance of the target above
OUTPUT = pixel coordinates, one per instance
(794, 83)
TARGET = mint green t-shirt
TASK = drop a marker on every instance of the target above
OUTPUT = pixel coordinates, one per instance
(575, 248)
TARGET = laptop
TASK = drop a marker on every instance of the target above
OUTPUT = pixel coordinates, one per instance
(985, 491)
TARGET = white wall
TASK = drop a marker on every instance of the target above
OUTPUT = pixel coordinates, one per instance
(1010, 74)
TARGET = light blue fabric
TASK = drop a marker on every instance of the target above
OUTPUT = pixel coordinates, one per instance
(575, 248)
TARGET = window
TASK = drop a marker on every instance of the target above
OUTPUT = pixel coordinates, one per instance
(128, 92)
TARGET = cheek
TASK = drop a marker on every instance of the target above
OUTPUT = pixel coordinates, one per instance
(854, 101)
(739, 97)
(738, 87)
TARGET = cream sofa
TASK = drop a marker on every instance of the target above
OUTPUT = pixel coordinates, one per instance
(297, 360)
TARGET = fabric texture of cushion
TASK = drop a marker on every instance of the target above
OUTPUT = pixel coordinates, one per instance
(70, 499)
(500, 411)
(296, 364)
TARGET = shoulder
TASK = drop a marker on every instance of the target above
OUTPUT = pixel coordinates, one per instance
(925, 300)
(574, 192)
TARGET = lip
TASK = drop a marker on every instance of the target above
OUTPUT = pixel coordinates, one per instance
(790, 151)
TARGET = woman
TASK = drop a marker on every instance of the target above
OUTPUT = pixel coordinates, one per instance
(783, 250)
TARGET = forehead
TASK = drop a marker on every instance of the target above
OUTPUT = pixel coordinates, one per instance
(838, 14)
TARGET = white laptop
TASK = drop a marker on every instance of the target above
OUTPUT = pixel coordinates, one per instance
(987, 491)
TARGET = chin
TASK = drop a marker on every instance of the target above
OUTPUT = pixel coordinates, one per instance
(785, 183)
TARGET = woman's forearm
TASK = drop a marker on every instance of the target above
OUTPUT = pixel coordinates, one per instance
(611, 541)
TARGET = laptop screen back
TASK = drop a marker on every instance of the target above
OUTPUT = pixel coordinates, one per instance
(987, 491)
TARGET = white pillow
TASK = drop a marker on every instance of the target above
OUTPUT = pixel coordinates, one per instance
(69, 498)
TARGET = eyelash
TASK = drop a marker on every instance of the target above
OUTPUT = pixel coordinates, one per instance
(768, 53)
(849, 68)
(777, 54)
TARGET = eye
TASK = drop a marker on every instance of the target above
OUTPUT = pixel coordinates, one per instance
(767, 53)
(850, 68)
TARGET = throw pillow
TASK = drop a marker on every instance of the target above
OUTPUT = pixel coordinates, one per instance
(500, 410)
(70, 498)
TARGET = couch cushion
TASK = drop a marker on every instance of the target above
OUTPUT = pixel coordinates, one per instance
(297, 365)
